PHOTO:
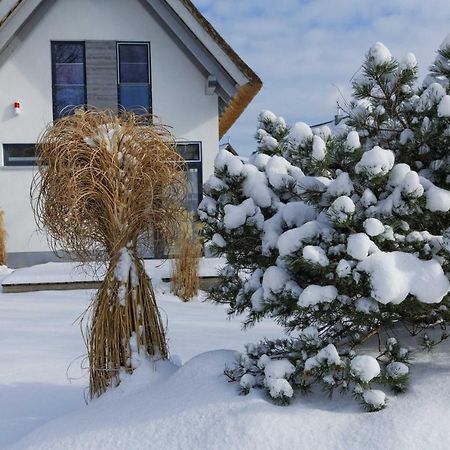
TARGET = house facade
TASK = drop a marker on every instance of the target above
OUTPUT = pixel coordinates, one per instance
(156, 55)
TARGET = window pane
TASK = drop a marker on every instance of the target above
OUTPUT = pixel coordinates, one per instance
(68, 53)
(190, 152)
(69, 74)
(67, 98)
(133, 73)
(133, 53)
(69, 90)
(19, 154)
(135, 98)
(193, 199)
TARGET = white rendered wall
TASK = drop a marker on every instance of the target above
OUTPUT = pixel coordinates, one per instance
(178, 90)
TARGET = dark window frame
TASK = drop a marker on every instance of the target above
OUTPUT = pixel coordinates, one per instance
(9, 161)
(150, 83)
(196, 164)
(56, 114)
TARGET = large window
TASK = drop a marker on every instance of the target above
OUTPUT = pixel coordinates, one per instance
(133, 62)
(191, 152)
(69, 78)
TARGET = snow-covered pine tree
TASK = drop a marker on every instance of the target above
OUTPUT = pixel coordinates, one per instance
(340, 252)
(238, 202)
(388, 110)
(380, 92)
(428, 136)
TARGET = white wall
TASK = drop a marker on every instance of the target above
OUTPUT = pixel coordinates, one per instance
(25, 75)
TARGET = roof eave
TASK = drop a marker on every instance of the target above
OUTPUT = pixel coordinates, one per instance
(10, 12)
(238, 104)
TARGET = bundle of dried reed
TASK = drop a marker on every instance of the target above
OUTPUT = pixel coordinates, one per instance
(185, 281)
(106, 184)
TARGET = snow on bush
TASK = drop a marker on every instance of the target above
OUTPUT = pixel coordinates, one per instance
(397, 369)
(373, 227)
(374, 399)
(375, 162)
(313, 295)
(315, 255)
(380, 54)
(396, 275)
(365, 367)
(351, 237)
(236, 216)
(328, 355)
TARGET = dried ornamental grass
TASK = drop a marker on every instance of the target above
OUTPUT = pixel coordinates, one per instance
(3, 256)
(185, 281)
(105, 184)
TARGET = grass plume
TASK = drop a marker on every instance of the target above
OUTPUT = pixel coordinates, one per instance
(106, 185)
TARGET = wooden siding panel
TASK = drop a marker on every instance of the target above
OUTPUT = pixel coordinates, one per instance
(101, 74)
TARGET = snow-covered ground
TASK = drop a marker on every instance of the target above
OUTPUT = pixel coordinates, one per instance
(73, 272)
(164, 406)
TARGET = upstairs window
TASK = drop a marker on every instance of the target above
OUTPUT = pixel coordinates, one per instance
(69, 78)
(133, 61)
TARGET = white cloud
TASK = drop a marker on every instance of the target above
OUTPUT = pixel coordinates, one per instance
(303, 49)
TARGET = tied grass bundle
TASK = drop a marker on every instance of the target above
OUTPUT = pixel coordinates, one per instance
(106, 185)
(3, 257)
(185, 281)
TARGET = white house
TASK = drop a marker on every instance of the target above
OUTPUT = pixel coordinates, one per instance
(162, 55)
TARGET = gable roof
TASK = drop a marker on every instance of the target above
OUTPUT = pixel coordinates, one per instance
(247, 92)
(246, 83)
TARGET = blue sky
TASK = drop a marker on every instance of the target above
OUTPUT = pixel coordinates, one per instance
(306, 51)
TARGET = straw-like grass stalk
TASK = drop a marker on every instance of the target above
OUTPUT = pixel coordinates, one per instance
(106, 184)
(185, 281)
(3, 256)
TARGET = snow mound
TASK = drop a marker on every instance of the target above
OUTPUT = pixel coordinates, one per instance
(165, 407)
